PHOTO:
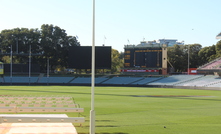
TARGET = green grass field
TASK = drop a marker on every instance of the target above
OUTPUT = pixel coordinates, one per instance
(136, 110)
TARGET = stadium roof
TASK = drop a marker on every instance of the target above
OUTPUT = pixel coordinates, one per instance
(218, 36)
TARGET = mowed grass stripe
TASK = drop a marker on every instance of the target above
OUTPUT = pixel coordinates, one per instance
(130, 110)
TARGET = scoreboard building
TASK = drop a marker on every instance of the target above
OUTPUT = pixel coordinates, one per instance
(145, 58)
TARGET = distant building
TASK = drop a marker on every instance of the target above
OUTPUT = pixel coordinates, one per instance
(170, 42)
(158, 43)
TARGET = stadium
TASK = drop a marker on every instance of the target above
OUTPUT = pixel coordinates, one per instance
(144, 98)
(145, 65)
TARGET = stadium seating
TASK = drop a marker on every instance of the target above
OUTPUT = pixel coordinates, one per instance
(20, 79)
(122, 80)
(81, 80)
(174, 79)
(202, 81)
(214, 84)
(55, 80)
(2, 80)
(87, 80)
(147, 80)
(212, 65)
(99, 80)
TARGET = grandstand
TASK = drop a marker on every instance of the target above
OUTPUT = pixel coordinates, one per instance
(87, 80)
(23, 79)
(212, 67)
(122, 80)
(215, 84)
(118, 80)
(218, 36)
(201, 81)
(54, 80)
(146, 80)
(174, 79)
(19, 79)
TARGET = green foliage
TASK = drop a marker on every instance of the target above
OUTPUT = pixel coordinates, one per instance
(55, 44)
(23, 37)
(117, 61)
(207, 54)
(177, 56)
(134, 110)
(193, 54)
(51, 41)
(218, 49)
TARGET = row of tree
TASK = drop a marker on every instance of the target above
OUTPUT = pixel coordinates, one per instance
(53, 42)
(48, 42)
(178, 55)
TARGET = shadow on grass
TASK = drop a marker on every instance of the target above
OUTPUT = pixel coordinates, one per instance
(104, 120)
(101, 121)
(154, 96)
(99, 126)
(106, 133)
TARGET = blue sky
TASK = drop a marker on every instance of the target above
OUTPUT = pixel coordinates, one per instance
(192, 21)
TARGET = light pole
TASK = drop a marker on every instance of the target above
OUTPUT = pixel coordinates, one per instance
(17, 45)
(29, 64)
(188, 59)
(47, 70)
(11, 66)
(92, 111)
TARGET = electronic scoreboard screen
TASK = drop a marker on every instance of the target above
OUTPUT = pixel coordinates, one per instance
(80, 57)
(143, 58)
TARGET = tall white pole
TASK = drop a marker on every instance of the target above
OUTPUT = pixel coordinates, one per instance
(47, 70)
(17, 45)
(188, 59)
(29, 64)
(92, 111)
(11, 66)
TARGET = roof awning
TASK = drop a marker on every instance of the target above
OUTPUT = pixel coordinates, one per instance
(218, 36)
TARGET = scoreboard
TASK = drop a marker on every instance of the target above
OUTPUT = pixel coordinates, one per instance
(80, 57)
(143, 57)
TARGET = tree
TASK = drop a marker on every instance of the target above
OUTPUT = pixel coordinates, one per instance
(49, 42)
(20, 41)
(55, 45)
(193, 55)
(177, 57)
(207, 54)
(218, 49)
(116, 62)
